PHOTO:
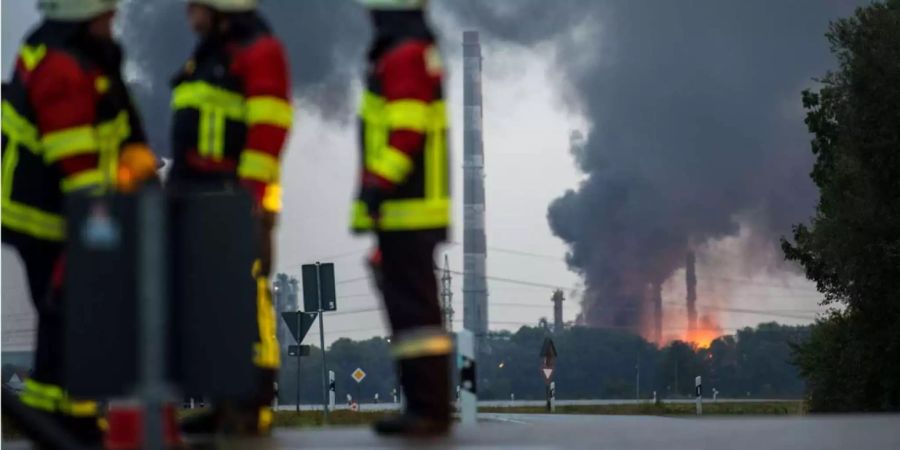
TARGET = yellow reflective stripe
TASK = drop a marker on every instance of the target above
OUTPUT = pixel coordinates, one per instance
(390, 163)
(32, 55)
(18, 128)
(10, 161)
(83, 180)
(438, 117)
(410, 115)
(422, 346)
(257, 165)
(38, 402)
(397, 215)
(266, 417)
(43, 389)
(271, 201)
(32, 221)
(266, 353)
(372, 107)
(203, 132)
(199, 95)
(73, 141)
(218, 135)
(79, 408)
(270, 111)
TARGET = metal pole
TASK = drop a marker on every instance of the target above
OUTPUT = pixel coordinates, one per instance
(299, 353)
(322, 345)
(637, 389)
(152, 301)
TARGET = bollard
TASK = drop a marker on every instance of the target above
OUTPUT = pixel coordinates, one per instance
(331, 388)
(699, 394)
(468, 402)
(552, 396)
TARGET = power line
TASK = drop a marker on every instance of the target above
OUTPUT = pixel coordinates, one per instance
(329, 258)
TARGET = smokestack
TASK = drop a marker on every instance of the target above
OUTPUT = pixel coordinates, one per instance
(690, 274)
(656, 294)
(475, 312)
(557, 300)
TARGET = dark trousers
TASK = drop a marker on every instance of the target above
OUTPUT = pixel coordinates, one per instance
(409, 287)
(40, 259)
(409, 284)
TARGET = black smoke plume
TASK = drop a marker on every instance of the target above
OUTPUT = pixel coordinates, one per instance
(696, 128)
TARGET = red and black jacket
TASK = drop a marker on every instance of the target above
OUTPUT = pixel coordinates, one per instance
(232, 111)
(67, 115)
(404, 170)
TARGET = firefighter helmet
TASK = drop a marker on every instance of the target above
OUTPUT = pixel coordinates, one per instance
(75, 10)
(228, 6)
(394, 4)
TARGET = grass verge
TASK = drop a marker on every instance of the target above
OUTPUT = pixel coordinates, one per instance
(668, 409)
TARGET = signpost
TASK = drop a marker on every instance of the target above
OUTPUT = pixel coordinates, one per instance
(358, 375)
(319, 295)
(548, 362)
(299, 324)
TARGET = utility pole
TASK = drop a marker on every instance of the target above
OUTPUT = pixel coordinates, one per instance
(446, 296)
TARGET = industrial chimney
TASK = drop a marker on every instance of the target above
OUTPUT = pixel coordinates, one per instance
(557, 300)
(690, 274)
(656, 293)
(475, 311)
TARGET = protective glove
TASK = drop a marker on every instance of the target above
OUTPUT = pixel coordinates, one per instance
(137, 165)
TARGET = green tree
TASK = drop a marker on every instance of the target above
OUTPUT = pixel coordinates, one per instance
(851, 247)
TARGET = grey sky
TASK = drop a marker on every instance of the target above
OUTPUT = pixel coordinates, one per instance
(608, 69)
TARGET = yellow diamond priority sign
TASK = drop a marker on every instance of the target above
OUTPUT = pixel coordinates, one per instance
(358, 375)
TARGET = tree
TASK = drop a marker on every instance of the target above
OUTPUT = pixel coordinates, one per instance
(851, 247)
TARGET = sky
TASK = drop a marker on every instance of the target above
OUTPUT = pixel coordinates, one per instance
(689, 113)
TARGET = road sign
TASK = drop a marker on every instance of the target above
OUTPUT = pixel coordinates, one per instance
(306, 321)
(303, 350)
(548, 373)
(548, 359)
(358, 375)
(318, 278)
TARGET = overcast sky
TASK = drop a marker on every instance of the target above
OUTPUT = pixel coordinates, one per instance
(536, 92)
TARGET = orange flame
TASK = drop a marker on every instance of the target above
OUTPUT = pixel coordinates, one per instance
(707, 331)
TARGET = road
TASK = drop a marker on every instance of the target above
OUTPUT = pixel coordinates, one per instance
(522, 403)
(544, 432)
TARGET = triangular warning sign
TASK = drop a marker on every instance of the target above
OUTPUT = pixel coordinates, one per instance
(548, 371)
(298, 330)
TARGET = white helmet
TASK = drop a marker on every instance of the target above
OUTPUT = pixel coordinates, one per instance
(396, 5)
(228, 5)
(75, 10)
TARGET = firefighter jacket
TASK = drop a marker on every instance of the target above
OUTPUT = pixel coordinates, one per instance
(232, 112)
(67, 116)
(403, 139)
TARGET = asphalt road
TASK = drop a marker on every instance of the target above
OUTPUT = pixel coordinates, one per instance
(544, 431)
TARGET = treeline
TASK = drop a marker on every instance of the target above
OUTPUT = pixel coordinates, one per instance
(851, 247)
(592, 363)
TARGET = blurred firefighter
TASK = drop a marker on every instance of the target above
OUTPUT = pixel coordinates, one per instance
(232, 115)
(404, 200)
(68, 126)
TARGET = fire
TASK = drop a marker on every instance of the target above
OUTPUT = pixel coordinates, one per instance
(707, 331)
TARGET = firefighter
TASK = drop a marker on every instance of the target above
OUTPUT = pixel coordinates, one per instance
(404, 199)
(232, 115)
(68, 126)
